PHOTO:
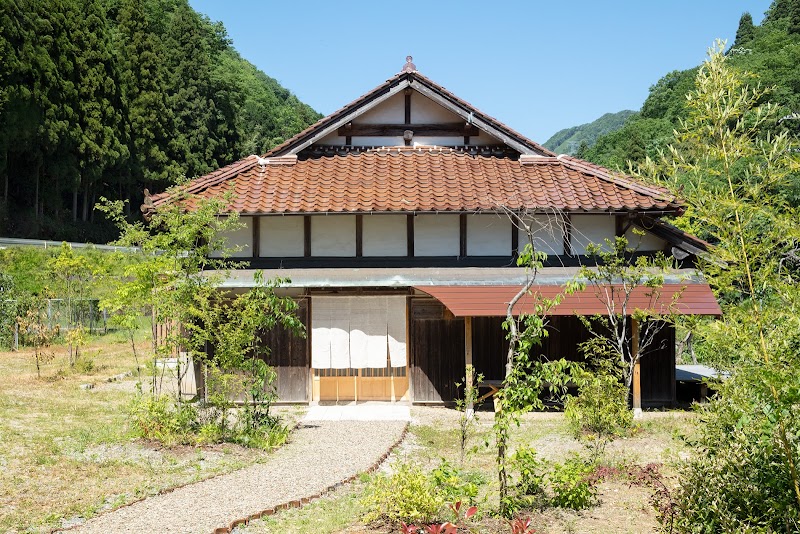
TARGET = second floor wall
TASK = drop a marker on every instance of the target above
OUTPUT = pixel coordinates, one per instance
(421, 236)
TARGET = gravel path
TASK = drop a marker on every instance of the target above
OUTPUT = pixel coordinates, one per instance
(320, 455)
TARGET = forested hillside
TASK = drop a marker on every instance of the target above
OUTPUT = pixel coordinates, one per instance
(771, 51)
(571, 140)
(108, 97)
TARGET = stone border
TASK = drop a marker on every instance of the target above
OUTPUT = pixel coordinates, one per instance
(305, 500)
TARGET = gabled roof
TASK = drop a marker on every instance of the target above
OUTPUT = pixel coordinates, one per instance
(423, 179)
(394, 85)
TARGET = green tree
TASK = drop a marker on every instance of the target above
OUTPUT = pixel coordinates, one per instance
(99, 137)
(746, 31)
(145, 89)
(734, 177)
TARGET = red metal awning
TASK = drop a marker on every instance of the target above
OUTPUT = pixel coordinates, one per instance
(492, 301)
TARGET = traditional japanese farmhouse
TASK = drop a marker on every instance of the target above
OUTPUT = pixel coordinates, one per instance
(396, 219)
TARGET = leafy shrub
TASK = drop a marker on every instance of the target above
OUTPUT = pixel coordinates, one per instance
(600, 408)
(742, 482)
(158, 418)
(405, 495)
(454, 484)
(570, 484)
(531, 477)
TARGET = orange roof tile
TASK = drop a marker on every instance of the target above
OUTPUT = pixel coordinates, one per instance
(423, 179)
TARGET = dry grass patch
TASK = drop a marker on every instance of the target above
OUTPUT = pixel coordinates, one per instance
(66, 451)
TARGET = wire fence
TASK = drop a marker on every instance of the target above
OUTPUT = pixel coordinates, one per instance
(66, 314)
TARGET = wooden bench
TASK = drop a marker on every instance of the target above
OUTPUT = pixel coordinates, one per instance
(492, 385)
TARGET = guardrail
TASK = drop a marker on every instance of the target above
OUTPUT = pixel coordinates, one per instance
(41, 243)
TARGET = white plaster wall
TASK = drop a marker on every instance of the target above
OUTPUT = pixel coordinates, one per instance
(378, 141)
(591, 229)
(332, 138)
(645, 243)
(436, 235)
(384, 235)
(548, 234)
(391, 111)
(240, 238)
(488, 235)
(281, 237)
(333, 235)
(426, 111)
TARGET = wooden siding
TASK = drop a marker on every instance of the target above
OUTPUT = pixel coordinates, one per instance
(565, 334)
(437, 352)
(290, 356)
(489, 347)
(658, 370)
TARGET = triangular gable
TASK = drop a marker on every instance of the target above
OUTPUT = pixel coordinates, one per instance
(409, 79)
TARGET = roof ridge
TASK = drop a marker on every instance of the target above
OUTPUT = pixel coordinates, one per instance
(616, 178)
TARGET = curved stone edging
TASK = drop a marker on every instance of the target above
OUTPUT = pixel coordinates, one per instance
(305, 500)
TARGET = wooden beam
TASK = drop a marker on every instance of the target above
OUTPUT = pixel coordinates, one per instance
(256, 236)
(567, 235)
(359, 235)
(514, 238)
(307, 236)
(455, 129)
(637, 370)
(407, 118)
(410, 235)
(462, 235)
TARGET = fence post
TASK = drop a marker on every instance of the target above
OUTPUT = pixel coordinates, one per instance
(16, 337)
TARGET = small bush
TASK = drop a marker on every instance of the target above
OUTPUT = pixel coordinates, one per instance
(571, 486)
(405, 495)
(601, 408)
(531, 472)
(454, 484)
(158, 418)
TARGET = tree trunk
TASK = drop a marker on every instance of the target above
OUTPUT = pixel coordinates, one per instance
(36, 200)
(75, 204)
(85, 213)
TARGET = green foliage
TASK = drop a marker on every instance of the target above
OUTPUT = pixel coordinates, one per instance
(526, 375)
(639, 138)
(742, 481)
(406, 495)
(737, 176)
(617, 274)
(157, 417)
(746, 31)
(570, 484)
(531, 479)
(105, 98)
(8, 308)
(454, 484)
(569, 140)
(599, 413)
(466, 405)
(770, 51)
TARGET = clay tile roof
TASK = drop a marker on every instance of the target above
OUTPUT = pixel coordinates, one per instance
(420, 82)
(409, 179)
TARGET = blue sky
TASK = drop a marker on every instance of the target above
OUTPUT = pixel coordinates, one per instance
(537, 66)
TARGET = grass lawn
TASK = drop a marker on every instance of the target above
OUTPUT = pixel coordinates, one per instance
(621, 508)
(66, 451)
